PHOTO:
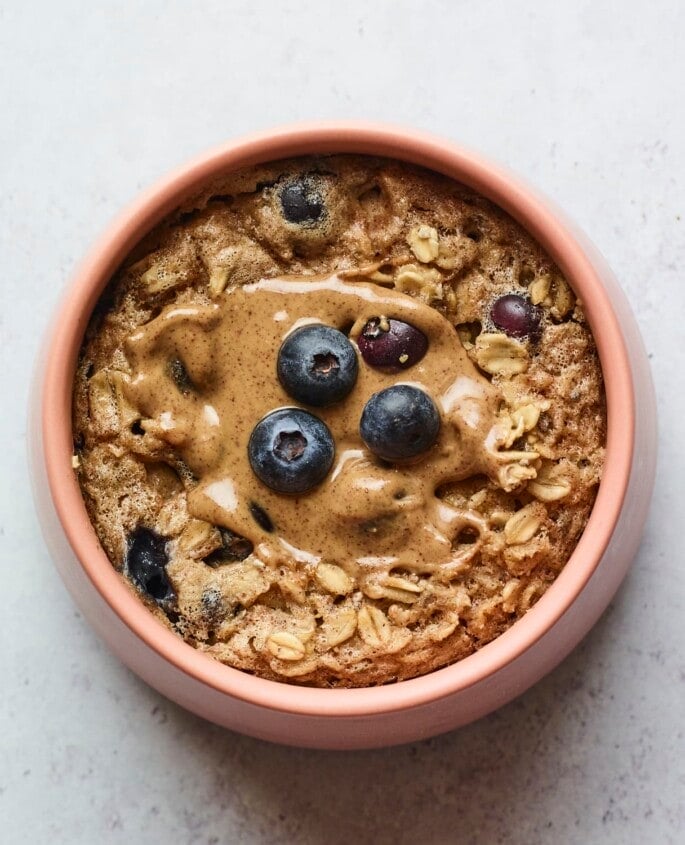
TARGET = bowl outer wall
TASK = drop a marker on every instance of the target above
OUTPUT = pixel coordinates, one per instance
(445, 698)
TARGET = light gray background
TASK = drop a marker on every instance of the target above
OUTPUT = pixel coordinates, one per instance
(99, 99)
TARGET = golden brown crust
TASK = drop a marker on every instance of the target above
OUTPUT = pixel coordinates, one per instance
(396, 226)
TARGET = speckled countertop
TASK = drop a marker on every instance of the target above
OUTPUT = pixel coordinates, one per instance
(584, 98)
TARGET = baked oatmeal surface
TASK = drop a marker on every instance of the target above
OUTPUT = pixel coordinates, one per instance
(383, 571)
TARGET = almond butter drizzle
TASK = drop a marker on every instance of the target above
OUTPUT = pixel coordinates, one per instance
(365, 514)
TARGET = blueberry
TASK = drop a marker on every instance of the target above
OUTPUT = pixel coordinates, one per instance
(515, 315)
(212, 604)
(302, 201)
(146, 560)
(262, 518)
(179, 376)
(399, 423)
(391, 345)
(233, 548)
(291, 450)
(317, 365)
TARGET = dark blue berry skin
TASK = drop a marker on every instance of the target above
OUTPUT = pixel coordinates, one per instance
(291, 450)
(146, 560)
(233, 548)
(317, 365)
(516, 316)
(398, 348)
(302, 202)
(399, 423)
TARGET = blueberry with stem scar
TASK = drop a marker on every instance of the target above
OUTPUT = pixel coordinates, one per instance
(317, 365)
(291, 450)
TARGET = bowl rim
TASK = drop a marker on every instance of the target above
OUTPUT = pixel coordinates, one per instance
(533, 212)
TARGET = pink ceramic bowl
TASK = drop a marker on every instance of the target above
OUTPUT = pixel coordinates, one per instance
(408, 710)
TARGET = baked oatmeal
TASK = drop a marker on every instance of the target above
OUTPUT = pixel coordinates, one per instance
(338, 421)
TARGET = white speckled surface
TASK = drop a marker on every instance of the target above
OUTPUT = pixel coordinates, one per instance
(584, 98)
